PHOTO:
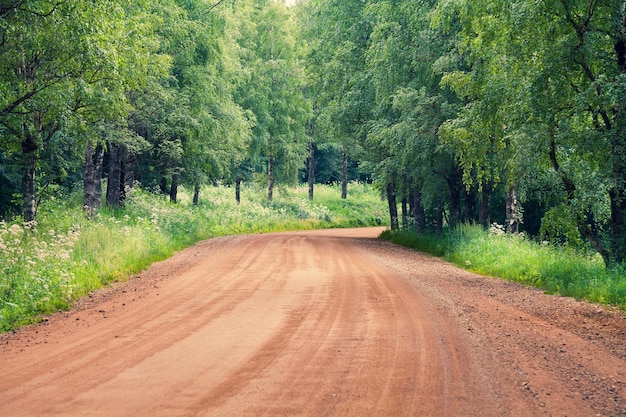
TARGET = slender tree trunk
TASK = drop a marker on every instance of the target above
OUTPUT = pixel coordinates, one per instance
(617, 193)
(405, 213)
(311, 168)
(512, 220)
(412, 205)
(270, 174)
(417, 210)
(484, 211)
(344, 175)
(114, 184)
(238, 190)
(455, 185)
(470, 206)
(439, 215)
(196, 194)
(393, 206)
(163, 185)
(89, 181)
(174, 188)
(128, 168)
(30, 149)
(617, 196)
(98, 170)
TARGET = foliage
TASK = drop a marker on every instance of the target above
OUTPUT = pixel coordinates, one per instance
(272, 91)
(65, 255)
(455, 100)
(555, 268)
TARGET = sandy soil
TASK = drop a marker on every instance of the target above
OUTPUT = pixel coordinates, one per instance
(327, 323)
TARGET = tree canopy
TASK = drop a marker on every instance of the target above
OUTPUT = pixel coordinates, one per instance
(464, 110)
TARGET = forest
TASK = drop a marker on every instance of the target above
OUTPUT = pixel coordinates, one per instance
(460, 111)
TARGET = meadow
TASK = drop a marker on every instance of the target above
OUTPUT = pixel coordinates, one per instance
(556, 269)
(46, 266)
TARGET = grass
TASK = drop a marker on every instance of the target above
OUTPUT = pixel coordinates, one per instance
(46, 266)
(555, 269)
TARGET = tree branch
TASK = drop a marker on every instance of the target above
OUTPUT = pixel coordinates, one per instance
(213, 6)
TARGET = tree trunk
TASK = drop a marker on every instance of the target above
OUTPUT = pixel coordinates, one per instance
(512, 220)
(238, 190)
(617, 193)
(484, 211)
(270, 175)
(30, 149)
(174, 189)
(89, 182)
(417, 210)
(98, 169)
(393, 206)
(617, 196)
(128, 168)
(114, 184)
(454, 188)
(196, 194)
(405, 213)
(344, 175)
(163, 185)
(311, 168)
(439, 215)
(470, 206)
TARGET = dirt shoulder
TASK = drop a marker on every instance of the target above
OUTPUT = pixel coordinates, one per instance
(567, 357)
(317, 323)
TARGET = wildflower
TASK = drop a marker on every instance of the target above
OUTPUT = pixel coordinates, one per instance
(15, 229)
(64, 255)
(496, 229)
(30, 224)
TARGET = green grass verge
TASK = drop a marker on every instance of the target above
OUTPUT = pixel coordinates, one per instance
(65, 255)
(557, 270)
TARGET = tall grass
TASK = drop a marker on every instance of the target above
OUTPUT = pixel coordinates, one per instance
(555, 269)
(45, 266)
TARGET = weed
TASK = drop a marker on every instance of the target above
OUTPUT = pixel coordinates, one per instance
(555, 269)
(44, 267)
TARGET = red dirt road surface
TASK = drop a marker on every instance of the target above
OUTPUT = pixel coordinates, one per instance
(327, 323)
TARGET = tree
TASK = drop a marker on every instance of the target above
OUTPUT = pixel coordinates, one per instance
(273, 90)
(52, 52)
(336, 34)
(188, 114)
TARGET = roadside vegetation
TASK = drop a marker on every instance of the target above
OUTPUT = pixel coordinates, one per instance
(45, 266)
(557, 269)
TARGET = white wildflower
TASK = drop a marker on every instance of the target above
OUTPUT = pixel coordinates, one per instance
(15, 229)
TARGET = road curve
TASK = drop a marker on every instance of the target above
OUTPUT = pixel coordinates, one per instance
(326, 323)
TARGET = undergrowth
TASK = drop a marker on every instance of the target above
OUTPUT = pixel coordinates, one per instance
(47, 265)
(555, 269)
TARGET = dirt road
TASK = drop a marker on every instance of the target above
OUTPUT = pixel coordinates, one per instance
(328, 323)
